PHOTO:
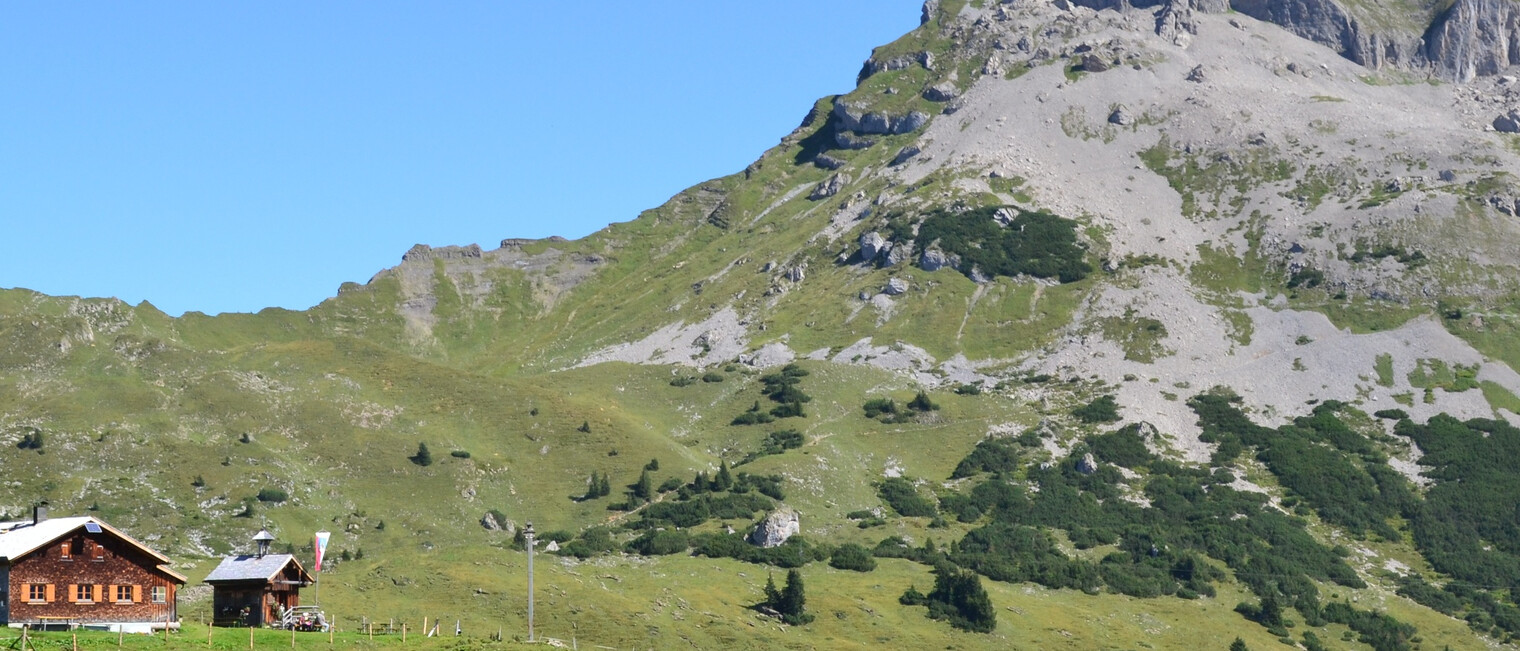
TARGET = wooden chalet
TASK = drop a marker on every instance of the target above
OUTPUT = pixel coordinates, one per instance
(81, 572)
(254, 589)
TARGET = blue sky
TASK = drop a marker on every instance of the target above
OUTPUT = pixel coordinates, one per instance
(230, 156)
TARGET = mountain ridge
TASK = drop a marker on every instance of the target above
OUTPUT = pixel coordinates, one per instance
(1268, 225)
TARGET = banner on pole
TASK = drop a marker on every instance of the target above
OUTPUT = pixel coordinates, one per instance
(321, 548)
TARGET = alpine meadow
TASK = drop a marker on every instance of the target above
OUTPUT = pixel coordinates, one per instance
(1077, 324)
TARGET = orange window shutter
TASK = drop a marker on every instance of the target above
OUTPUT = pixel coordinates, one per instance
(48, 593)
(110, 593)
(136, 593)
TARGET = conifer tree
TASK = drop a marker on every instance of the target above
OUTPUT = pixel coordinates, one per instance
(1239, 645)
(772, 595)
(643, 489)
(724, 480)
(423, 456)
(793, 600)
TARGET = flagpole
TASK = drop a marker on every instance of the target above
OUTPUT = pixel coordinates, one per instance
(319, 548)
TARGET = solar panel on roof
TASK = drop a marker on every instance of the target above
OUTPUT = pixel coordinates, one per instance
(92, 527)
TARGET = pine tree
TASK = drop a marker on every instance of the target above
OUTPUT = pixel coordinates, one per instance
(654, 464)
(593, 487)
(793, 601)
(423, 456)
(724, 480)
(643, 489)
(585, 427)
(1239, 645)
(772, 595)
(605, 487)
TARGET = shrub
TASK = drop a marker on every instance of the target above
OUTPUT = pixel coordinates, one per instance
(585, 427)
(969, 389)
(900, 494)
(1034, 243)
(879, 406)
(1391, 414)
(460, 454)
(851, 556)
(684, 381)
(959, 597)
(922, 403)
(1102, 410)
(30, 441)
(712, 377)
(273, 495)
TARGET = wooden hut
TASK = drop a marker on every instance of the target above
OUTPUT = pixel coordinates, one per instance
(254, 589)
(82, 572)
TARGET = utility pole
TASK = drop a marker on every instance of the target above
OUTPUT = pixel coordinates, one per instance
(528, 535)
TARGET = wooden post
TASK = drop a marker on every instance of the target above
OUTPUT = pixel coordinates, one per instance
(425, 628)
(332, 625)
(120, 633)
(292, 637)
(250, 637)
(371, 632)
(208, 635)
(76, 642)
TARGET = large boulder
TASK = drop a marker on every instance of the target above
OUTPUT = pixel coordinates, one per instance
(934, 259)
(872, 246)
(829, 187)
(941, 92)
(1508, 123)
(776, 528)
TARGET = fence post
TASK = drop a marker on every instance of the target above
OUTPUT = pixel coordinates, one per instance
(250, 637)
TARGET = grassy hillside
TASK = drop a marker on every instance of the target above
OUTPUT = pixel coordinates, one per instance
(1078, 324)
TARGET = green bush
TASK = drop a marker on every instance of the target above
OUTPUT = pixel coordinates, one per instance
(460, 454)
(878, 406)
(851, 556)
(1035, 243)
(900, 494)
(1101, 410)
(272, 495)
(712, 377)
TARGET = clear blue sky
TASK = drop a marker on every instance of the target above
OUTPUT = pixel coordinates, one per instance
(231, 156)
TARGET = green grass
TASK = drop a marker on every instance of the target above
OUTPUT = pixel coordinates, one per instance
(1384, 368)
(1500, 397)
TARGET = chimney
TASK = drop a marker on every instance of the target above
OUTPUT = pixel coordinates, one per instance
(39, 513)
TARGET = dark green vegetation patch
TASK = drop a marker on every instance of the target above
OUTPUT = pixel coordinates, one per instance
(1033, 243)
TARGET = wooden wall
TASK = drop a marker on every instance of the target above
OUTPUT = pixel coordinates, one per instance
(116, 563)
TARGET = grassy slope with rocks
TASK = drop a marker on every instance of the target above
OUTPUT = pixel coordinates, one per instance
(1198, 214)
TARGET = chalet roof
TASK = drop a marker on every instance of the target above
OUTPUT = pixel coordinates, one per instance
(18, 539)
(249, 567)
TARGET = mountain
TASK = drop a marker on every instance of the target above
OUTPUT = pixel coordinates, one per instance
(1138, 311)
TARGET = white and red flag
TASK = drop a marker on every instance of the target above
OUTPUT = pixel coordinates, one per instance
(321, 547)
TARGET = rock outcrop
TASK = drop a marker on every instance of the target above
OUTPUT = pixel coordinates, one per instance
(776, 528)
(1474, 38)
(829, 187)
(861, 120)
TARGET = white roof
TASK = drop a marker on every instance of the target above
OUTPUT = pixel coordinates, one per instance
(20, 538)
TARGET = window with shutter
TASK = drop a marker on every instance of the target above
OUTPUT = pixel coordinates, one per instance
(136, 593)
(37, 592)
